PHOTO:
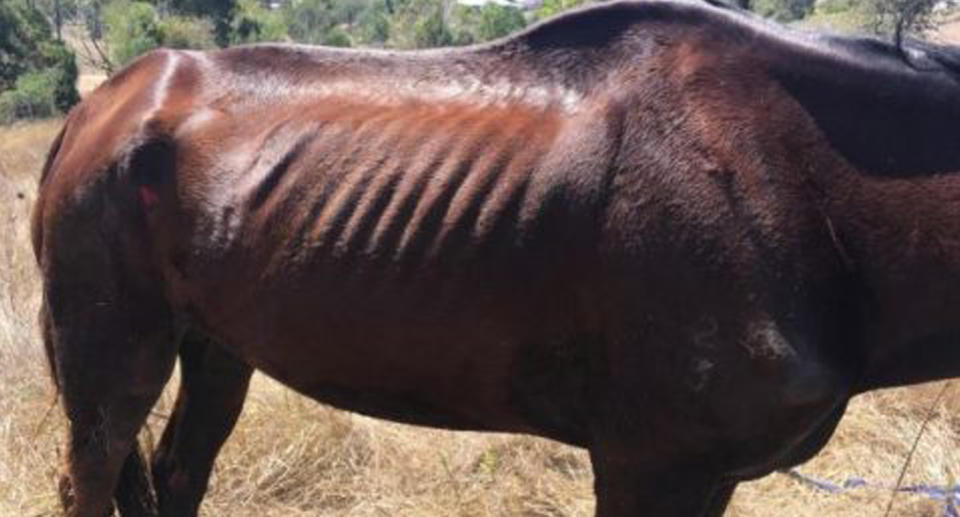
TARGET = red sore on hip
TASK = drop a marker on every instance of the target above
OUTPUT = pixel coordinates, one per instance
(148, 197)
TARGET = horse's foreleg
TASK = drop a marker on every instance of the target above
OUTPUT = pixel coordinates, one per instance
(627, 489)
(213, 386)
(720, 499)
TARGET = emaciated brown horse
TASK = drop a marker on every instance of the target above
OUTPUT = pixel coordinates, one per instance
(670, 233)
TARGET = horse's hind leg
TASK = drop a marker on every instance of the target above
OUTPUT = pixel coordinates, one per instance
(113, 352)
(213, 386)
(111, 337)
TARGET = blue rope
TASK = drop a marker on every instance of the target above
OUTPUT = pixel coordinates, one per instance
(949, 495)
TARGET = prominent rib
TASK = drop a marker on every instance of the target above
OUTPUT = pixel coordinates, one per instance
(276, 172)
(428, 158)
(436, 199)
(371, 143)
(457, 225)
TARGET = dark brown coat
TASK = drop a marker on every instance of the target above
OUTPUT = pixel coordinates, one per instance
(675, 235)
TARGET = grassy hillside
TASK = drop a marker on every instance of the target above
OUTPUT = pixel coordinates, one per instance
(292, 457)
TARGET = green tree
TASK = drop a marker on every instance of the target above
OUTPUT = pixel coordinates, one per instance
(133, 28)
(22, 29)
(432, 30)
(60, 61)
(337, 22)
(373, 26)
(880, 17)
(497, 21)
(346, 12)
(58, 12)
(220, 13)
(252, 23)
(420, 24)
(179, 31)
(336, 37)
(471, 24)
(91, 12)
(15, 42)
(308, 21)
(31, 97)
(783, 10)
(37, 74)
(553, 7)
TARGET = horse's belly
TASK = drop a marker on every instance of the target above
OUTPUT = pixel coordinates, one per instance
(440, 349)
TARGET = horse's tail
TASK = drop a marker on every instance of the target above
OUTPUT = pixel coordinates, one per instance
(36, 230)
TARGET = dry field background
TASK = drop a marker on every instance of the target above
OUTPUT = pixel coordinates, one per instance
(292, 457)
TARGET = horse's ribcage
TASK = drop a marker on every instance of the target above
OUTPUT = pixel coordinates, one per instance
(398, 184)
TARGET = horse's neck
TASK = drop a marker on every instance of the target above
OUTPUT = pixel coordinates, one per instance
(902, 237)
(888, 167)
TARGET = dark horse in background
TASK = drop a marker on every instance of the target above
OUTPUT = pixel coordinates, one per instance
(672, 234)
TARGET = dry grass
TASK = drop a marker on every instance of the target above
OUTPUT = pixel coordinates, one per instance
(291, 457)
